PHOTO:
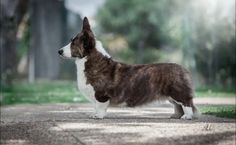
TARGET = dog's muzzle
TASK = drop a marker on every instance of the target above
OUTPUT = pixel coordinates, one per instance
(60, 51)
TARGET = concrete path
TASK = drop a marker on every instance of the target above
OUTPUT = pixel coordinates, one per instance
(67, 124)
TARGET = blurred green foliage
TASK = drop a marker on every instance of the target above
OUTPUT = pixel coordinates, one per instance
(227, 111)
(129, 55)
(214, 91)
(210, 93)
(42, 92)
(204, 32)
(67, 92)
(138, 20)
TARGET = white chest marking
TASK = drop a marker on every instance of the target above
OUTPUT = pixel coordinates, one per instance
(86, 89)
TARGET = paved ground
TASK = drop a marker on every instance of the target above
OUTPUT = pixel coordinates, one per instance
(67, 124)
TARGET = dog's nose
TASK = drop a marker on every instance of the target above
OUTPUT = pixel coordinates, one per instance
(60, 51)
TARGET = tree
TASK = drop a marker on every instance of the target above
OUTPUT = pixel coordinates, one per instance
(213, 39)
(47, 31)
(142, 23)
(203, 31)
(11, 15)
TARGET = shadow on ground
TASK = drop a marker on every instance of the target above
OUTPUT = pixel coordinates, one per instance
(66, 124)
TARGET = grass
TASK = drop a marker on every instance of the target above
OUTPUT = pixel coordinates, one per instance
(66, 92)
(220, 111)
(212, 91)
(41, 92)
(214, 94)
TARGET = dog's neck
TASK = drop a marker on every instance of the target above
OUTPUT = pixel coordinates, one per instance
(85, 88)
(100, 49)
(95, 56)
(80, 63)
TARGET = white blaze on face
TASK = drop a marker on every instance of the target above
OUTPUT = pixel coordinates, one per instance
(66, 50)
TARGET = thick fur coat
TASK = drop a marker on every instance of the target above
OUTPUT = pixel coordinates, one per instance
(112, 82)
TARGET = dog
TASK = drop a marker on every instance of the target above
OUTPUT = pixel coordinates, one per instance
(107, 82)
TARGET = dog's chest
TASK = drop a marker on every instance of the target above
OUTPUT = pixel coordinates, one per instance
(85, 89)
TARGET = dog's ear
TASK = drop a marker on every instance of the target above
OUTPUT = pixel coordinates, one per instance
(88, 40)
(86, 25)
(88, 37)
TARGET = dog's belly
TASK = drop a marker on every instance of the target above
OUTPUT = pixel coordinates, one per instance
(134, 96)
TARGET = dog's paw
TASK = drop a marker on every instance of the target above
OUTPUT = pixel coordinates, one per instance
(176, 116)
(187, 117)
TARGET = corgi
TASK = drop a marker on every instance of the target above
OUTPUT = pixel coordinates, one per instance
(105, 81)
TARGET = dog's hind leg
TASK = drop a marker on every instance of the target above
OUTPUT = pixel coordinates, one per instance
(190, 110)
(186, 103)
(188, 113)
(178, 110)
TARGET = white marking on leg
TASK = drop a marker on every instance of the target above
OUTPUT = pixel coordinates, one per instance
(101, 109)
(188, 113)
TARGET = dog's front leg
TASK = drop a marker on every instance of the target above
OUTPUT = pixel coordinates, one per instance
(102, 102)
(101, 109)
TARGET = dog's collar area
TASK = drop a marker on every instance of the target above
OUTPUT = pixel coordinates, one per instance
(78, 56)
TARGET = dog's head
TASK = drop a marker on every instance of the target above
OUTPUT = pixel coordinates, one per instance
(81, 45)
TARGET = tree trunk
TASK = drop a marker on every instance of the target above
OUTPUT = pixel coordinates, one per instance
(47, 32)
(11, 13)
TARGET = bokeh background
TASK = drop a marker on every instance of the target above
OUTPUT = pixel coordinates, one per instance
(198, 34)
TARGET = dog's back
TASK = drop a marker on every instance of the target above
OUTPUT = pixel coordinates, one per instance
(138, 84)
